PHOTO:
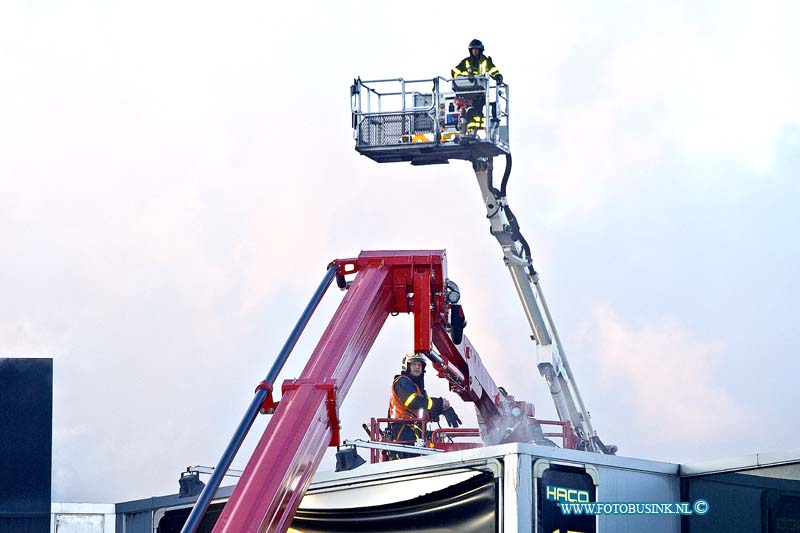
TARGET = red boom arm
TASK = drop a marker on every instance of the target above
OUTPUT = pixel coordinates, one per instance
(306, 422)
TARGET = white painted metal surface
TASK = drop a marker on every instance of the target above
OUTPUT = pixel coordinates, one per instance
(82, 518)
(745, 462)
(517, 500)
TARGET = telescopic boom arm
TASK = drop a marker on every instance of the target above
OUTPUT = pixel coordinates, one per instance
(554, 367)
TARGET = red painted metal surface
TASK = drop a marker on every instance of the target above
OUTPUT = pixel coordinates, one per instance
(376, 434)
(477, 385)
(440, 436)
(269, 405)
(421, 305)
(275, 479)
(305, 420)
(570, 440)
(441, 439)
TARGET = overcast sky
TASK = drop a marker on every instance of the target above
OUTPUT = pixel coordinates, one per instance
(175, 176)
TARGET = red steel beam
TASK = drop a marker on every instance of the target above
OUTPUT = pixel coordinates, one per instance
(304, 424)
(478, 386)
(277, 475)
(422, 310)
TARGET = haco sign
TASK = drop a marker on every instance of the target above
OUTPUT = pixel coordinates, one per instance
(559, 483)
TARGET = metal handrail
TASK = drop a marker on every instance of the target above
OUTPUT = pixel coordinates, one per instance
(398, 103)
(436, 80)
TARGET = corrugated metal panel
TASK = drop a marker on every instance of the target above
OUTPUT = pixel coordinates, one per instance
(138, 522)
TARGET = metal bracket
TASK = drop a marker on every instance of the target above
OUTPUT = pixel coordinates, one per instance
(330, 403)
(269, 405)
(344, 267)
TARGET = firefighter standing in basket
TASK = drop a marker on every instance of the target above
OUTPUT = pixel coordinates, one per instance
(476, 64)
(410, 401)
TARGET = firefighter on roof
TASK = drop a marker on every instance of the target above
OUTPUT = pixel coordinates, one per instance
(476, 64)
(409, 401)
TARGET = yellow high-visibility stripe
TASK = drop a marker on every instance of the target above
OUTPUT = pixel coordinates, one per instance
(410, 399)
(430, 404)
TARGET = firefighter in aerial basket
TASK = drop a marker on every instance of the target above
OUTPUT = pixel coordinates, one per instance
(476, 64)
(409, 401)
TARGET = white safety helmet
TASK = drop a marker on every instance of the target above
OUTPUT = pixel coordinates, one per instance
(414, 357)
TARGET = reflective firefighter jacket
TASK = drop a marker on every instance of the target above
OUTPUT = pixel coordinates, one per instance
(481, 66)
(407, 399)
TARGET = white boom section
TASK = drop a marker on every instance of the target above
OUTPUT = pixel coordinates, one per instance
(554, 366)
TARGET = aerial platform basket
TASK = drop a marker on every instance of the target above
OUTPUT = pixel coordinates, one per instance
(422, 121)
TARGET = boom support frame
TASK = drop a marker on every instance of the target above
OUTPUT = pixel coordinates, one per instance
(305, 420)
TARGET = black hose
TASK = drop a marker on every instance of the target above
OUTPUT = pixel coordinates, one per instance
(499, 196)
(512, 220)
(506, 175)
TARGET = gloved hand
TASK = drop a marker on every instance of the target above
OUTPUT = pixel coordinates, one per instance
(471, 76)
(499, 79)
(452, 418)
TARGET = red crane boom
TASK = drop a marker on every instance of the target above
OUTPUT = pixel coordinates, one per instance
(305, 421)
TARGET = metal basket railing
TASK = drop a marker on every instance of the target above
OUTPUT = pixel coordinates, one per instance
(392, 112)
